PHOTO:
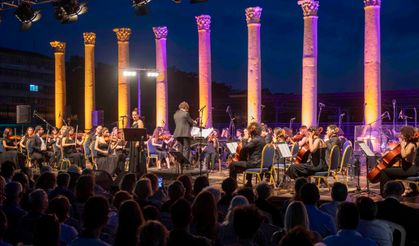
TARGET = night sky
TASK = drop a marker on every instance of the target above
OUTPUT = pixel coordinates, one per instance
(341, 31)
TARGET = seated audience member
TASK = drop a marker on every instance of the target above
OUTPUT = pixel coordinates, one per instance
(153, 233)
(60, 206)
(176, 191)
(3, 229)
(95, 217)
(369, 226)
(392, 210)
(248, 193)
(204, 215)
(200, 183)
(187, 184)
(38, 204)
(320, 222)
(118, 199)
(84, 190)
(229, 186)
(298, 236)
(2, 185)
(130, 220)
(246, 222)
(7, 170)
(181, 214)
(13, 211)
(298, 183)
(263, 193)
(128, 182)
(339, 194)
(150, 212)
(226, 234)
(159, 194)
(63, 182)
(47, 231)
(215, 192)
(347, 221)
(143, 192)
(47, 181)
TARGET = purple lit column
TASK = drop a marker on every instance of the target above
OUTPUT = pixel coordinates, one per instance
(254, 75)
(161, 81)
(372, 61)
(309, 77)
(205, 92)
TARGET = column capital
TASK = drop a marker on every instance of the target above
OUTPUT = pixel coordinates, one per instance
(372, 3)
(122, 34)
(253, 15)
(59, 47)
(310, 7)
(89, 38)
(160, 32)
(203, 22)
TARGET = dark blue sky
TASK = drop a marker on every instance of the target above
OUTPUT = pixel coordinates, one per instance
(341, 28)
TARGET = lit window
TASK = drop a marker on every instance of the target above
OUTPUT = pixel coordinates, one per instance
(33, 88)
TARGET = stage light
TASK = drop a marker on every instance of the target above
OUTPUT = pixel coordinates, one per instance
(128, 73)
(152, 74)
(140, 7)
(26, 15)
(68, 11)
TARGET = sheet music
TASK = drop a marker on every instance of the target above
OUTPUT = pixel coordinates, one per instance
(285, 150)
(205, 132)
(232, 147)
(366, 149)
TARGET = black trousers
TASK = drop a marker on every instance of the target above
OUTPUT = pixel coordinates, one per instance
(240, 166)
(396, 173)
(185, 147)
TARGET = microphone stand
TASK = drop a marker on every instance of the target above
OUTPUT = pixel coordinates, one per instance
(416, 116)
(201, 115)
(320, 113)
(291, 121)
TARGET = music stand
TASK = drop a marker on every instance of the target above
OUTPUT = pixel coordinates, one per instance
(367, 153)
(133, 135)
(285, 152)
(180, 158)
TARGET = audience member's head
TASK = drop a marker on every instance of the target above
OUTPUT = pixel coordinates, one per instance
(181, 214)
(130, 220)
(296, 215)
(204, 214)
(150, 212)
(47, 231)
(63, 180)
(85, 188)
(176, 190)
(120, 197)
(128, 182)
(309, 194)
(153, 233)
(229, 185)
(347, 216)
(298, 236)
(200, 183)
(214, 191)
(13, 192)
(38, 201)
(339, 192)
(187, 184)
(2, 186)
(3, 224)
(45, 169)
(95, 214)
(393, 189)
(298, 183)
(47, 181)
(22, 178)
(263, 191)
(235, 202)
(248, 193)
(7, 170)
(246, 222)
(154, 181)
(60, 206)
(143, 189)
(366, 207)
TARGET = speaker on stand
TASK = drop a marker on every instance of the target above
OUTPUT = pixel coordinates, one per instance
(23, 114)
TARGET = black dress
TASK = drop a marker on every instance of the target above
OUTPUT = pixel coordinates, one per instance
(71, 153)
(316, 164)
(106, 163)
(137, 158)
(12, 155)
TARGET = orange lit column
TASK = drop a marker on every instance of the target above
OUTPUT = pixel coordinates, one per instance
(123, 35)
(309, 77)
(205, 91)
(89, 78)
(372, 61)
(162, 96)
(254, 75)
(60, 82)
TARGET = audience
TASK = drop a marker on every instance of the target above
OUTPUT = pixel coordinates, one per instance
(246, 222)
(7, 170)
(229, 186)
(143, 192)
(248, 193)
(3, 229)
(153, 233)
(226, 234)
(339, 194)
(205, 224)
(13, 211)
(200, 183)
(263, 193)
(128, 182)
(347, 219)
(62, 188)
(187, 184)
(159, 195)
(130, 220)
(298, 236)
(60, 207)
(176, 191)
(47, 231)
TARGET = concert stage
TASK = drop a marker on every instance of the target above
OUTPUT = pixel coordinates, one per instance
(173, 173)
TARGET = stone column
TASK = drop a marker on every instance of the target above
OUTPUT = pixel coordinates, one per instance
(254, 75)
(205, 78)
(162, 96)
(60, 82)
(309, 77)
(372, 61)
(123, 35)
(89, 78)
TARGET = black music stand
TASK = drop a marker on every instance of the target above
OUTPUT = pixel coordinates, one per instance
(285, 152)
(134, 135)
(368, 154)
(180, 158)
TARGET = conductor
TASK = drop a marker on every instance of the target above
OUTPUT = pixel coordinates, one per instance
(184, 123)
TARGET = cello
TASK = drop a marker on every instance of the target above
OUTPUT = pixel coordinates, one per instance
(388, 159)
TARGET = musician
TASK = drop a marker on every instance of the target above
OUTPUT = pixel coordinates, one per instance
(134, 160)
(332, 137)
(301, 136)
(137, 122)
(25, 139)
(69, 143)
(182, 134)
(10, 145)
(317, 160)
(8, 140)
(265, 134)
(104, 160)
(38, 148)
(408, 167)
(158, 146)
(251, 153)
(211, 150)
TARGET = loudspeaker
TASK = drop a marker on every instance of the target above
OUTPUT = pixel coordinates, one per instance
(23, 114)
(98, 117)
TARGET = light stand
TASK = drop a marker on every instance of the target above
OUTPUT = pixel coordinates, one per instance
(231, 126)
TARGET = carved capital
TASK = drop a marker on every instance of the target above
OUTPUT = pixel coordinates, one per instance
(59, 47)
(372, 3)
(89, 38)
(160, 32)
(122, 34)
(309, 7)
(253, 15)
(203, 22)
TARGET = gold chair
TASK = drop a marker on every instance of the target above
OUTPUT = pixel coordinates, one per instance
(265, 165)
(151, 156)
(332, 170)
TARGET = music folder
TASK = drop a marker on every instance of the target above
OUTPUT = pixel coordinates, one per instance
(365, 149)
(284, 149)
(232, 147)
(135, 134)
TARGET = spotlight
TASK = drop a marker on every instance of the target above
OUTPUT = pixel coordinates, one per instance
(26, 15)
(152, 74)
(68, 11)
(128, 73)
(140, 7)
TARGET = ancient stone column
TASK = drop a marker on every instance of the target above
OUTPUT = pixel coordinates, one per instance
(60, 82)
(205, 78)
(89, 78)
(372, 61)
(123, 35)
(309, 77)
(254, 75)
(162, 96)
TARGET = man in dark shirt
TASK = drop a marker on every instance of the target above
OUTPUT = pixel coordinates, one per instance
(263, 192)
(13, 211)
(184, 123)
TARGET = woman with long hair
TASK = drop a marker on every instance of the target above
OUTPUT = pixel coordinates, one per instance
(104, 160)
(130, 220)
(69, 143)
(204, 216)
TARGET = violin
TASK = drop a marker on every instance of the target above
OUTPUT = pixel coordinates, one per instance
(165, 137)
(14, 137)
(298, 137)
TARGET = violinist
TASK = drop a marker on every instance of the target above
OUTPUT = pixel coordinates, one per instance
(38, 148)
(332, 137)
(408, 168)
(25, 139)
(158, 146)
(104, 160)
(317, 160)
(9, 141)
(251, 153)
(211, 150)
(10, 145)
(118, 149)
(301, 136)
(69, 143)
(265, 134)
